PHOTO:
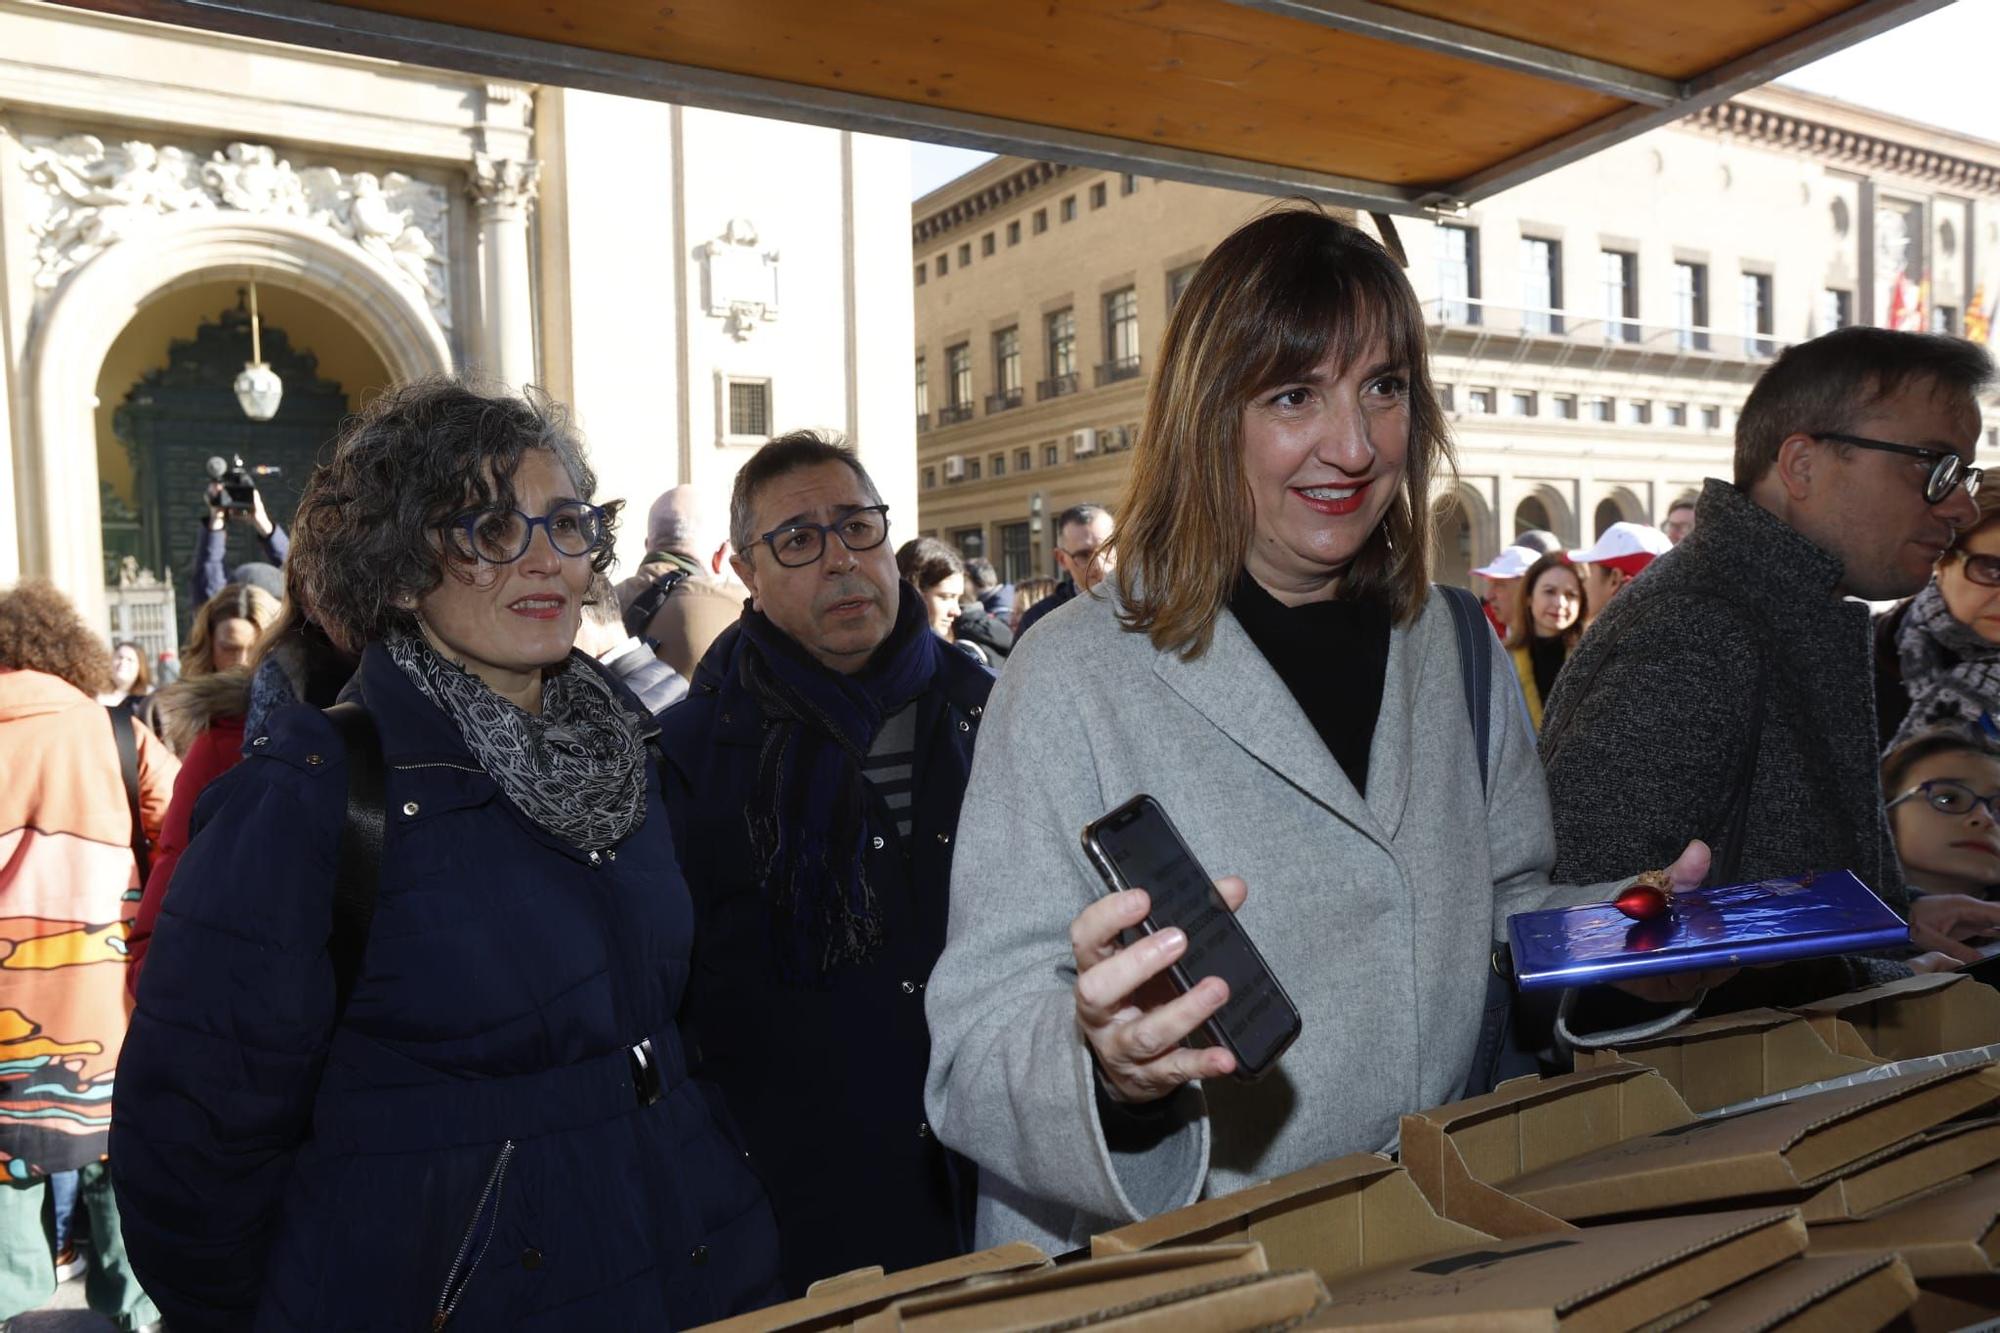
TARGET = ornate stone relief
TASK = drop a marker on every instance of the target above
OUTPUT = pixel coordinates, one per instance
(95, 195)
(740, 280)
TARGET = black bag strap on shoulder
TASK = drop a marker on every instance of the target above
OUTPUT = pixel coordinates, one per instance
(1475, 666)
(648, 603)
(127, 741)
(359, 872)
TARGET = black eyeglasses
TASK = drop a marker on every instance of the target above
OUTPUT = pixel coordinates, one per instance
(1951, 798)
(798, 544)
(500, 536)
(1948, 470)
(1981, 569)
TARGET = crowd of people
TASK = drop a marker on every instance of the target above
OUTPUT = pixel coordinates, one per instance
(517, 948)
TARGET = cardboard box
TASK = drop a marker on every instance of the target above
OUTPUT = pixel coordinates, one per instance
(1949, 1304)
(836, 1302)
(1335, 1218)
(1850, 1291)
(1937, 1158)
(1205, 1289)
(1948, 1233)
(1460, 1154)
(1733, 1058)
(1775, 1151)
(1596, 1280)
(1926, 1015)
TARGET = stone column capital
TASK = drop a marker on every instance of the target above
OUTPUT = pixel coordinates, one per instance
(504, 183)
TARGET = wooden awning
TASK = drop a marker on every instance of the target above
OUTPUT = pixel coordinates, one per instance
(1398, 107)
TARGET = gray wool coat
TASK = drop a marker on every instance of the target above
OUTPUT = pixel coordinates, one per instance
(1378, 915)
(1649, 729)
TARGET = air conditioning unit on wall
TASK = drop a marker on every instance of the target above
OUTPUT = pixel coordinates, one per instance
(1083, 443)
(954, 468)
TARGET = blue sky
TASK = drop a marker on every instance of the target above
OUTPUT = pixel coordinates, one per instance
(1943, 68)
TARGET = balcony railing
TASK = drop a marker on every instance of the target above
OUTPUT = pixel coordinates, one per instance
(1055, 386)
(1125, 368)
(954, 413)
(1574, 331)
(923, 422)
(1000, 402)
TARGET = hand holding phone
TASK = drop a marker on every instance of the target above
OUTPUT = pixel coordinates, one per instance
(1132, 1018)
(1186, 935)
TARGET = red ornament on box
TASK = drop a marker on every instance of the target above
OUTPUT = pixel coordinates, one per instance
(1644, 902)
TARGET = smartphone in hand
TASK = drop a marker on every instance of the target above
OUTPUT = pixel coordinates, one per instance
(1137, 847)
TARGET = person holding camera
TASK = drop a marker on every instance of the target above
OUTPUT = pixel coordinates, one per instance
(480, 1118)
(233, 494)
(1272, 664)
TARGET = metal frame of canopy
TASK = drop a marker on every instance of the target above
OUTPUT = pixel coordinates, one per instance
(1639, 100)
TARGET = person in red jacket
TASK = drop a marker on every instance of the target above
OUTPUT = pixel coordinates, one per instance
(206, 719)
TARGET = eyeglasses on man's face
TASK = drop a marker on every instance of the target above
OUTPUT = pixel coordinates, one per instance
(500, 536)
(799, 544)
(1948, 470)
(1951, 798)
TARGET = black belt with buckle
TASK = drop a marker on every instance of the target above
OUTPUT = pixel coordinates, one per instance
(645, 1072)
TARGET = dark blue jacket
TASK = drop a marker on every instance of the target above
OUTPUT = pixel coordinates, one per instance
(1064, 593)
(209, 577)
(826, 1083)
(476, 1109)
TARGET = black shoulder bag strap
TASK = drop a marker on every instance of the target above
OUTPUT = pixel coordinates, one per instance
(1500, 1052)
(128, 768)
(648, 603)
(359, 872)
(1475, 666)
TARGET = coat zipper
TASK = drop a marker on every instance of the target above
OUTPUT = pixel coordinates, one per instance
(454, 1282)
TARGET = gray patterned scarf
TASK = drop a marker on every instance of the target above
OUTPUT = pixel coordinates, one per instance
(577, 770)
(1952, 674)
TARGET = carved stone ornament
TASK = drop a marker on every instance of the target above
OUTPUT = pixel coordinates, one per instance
(505, 182)
(95, 196)
(740, 280)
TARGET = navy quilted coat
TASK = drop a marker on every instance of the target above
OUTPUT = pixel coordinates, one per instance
(470, 1141)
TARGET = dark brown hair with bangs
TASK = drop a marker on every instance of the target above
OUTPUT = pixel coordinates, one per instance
(1266, 307)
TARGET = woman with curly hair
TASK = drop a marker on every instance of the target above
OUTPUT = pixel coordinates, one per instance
(485, 1124)
(68, 885)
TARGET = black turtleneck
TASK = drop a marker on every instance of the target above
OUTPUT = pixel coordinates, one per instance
(1547, 653)
(1332, 656)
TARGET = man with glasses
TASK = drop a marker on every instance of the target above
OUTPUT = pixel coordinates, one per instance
(1729, 694)
(814, 777)
(1082, 534)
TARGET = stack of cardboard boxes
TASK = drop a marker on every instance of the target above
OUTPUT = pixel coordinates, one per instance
(1627, 1195)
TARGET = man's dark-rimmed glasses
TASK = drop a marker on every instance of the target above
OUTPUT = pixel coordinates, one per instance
(500, 536)
(799, 544)
(1948, 470)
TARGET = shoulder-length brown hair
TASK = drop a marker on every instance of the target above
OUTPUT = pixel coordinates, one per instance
(236, 601)
(1267, 306)
(1521, 628)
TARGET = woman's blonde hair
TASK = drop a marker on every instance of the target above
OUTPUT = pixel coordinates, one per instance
(1267, 306)
(236, 601)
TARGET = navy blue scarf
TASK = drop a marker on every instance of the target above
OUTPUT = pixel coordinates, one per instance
(808, 812)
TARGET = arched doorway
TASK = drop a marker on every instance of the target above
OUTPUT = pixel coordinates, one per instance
(1532, 514)
(58, 503)
(1608, 513)
(1452, 535)
(158, 426)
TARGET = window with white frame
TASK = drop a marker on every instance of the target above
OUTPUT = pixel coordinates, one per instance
(746, 409)
(1458, 275)
(1541, 285)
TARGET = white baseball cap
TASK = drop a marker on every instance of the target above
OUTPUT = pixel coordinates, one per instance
(1511, 563)
(1625, 544)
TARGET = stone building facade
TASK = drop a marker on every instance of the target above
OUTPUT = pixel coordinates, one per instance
(691, 282)
(1595, 330)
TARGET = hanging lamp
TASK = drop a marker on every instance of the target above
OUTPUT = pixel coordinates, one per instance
(258, 388)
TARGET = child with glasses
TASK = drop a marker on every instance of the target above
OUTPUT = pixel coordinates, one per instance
(1943, 789)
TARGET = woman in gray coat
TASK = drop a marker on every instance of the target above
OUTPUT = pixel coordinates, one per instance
(1274, 667)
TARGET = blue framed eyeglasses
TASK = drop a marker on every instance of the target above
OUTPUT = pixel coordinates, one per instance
(803, 543)
(1951, 798)
(499, 536)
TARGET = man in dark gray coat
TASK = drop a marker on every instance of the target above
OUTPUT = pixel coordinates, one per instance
(1728, 693)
